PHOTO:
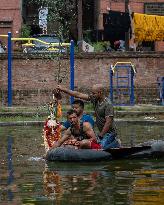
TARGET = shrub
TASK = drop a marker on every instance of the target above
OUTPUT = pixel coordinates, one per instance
(25, 31)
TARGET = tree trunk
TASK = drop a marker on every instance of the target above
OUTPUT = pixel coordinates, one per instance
(80, 22)
(127, 33)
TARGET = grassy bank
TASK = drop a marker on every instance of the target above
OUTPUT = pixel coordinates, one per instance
(88, 108)
(40, 113)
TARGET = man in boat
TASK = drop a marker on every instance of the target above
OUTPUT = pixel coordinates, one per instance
(78, 106)
(104, 114)
(79, 135)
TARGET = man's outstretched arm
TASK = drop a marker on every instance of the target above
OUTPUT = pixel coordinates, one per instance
(73, 93)
(62, 140)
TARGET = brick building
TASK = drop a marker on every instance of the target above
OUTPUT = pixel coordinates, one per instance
(10, 17)
(14, 12)
(155, 7)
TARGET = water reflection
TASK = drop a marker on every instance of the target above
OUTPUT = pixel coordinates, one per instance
(7, 177)
(7, 186)
(52, 185)
(148, 188)
(75, 182)
(120, 182)
(10, 168)
(25, 178)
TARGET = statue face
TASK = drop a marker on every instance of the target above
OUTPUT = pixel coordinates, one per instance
(52, 123)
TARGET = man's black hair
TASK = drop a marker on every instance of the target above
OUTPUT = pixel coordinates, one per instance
(71, 111)
(79, 102)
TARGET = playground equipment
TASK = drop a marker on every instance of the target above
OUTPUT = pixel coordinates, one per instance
(29, 43)
(122, 83)
(160, 81)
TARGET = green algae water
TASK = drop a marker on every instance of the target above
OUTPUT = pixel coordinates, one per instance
(25, 178)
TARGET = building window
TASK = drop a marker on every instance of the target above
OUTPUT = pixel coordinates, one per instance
(154, 8)
(5, 24)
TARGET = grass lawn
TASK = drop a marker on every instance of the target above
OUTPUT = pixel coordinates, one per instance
(40, 113)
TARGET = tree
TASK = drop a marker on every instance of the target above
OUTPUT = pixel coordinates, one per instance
(80, 19)
(64, 12)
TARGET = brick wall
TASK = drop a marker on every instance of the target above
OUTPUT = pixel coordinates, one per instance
(10, 11)
(135, 6)
(119, 5)
(159, 46)
(34, 78)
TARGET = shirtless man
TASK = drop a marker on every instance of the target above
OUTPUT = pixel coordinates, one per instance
(104, 114)
(80, 134)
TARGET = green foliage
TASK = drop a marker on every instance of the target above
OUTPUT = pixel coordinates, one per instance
(76, 49)
(119, 108)
(62, 12)
(88, 107)
(101, 46)
(25, 31)
(98, 46)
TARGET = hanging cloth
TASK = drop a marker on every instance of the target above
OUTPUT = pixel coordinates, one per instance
(148, 27)
(115, 24)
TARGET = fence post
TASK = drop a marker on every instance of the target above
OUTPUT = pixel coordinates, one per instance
(111, 83)
(132, 87)
(72, 69)
(9, 70)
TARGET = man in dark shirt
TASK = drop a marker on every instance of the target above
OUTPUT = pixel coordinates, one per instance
(103, 112)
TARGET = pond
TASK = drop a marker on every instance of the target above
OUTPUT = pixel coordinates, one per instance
(25, 178)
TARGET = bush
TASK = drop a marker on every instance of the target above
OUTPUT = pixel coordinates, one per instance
(25, 31)
(101, 46)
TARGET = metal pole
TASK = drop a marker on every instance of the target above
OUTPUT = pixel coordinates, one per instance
(111, 83)
(126, 33)
(72, 69)
(9, 71)
(132, 87)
